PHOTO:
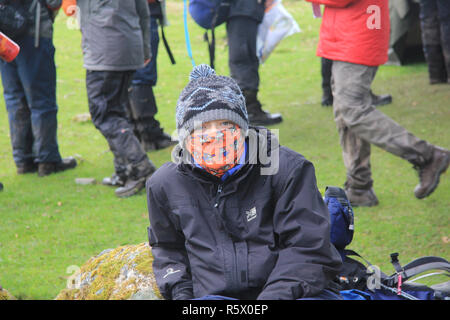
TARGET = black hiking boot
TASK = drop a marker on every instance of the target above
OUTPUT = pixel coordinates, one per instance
(27, 167)
(361, 197)
(256, 115)
(430, 173)
(46, 168)
(136, 180)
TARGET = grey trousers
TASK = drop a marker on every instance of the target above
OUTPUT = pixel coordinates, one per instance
(360, 125)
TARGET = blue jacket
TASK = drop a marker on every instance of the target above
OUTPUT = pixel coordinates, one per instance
(250, 236)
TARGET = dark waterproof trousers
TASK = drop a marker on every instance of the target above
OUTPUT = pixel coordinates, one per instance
(108, 95)
(242, 59)
(142, 107)
(29, 88)
(435, 24)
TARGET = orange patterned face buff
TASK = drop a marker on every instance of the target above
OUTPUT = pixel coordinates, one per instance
(216, 149)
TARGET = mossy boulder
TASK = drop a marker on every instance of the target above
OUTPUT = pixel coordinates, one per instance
(5, 295)
(115, 274)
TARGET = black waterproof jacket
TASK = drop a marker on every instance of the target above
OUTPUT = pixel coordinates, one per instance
(252, 236)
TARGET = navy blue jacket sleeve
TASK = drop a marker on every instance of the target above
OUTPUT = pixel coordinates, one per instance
(170, 261)
(307, 260)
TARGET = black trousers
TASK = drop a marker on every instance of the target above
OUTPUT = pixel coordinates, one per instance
(435, 23)
(242, 59)
(108, 96)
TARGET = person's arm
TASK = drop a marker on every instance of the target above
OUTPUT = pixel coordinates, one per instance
(333, 3)
(170, 261)
(307, 260)
(144, 20)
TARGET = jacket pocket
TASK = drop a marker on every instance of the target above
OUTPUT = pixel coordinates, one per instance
(261, 261)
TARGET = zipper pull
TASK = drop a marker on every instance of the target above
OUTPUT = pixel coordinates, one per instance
(219, 191)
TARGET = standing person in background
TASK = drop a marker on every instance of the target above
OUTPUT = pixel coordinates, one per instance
(435, 24)
(142, 106)
(242, 29)
(355, 35)
(116, 42)
(29, 87)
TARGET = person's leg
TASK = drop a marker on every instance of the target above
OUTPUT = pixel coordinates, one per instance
(355, 151)
(352, 85)
(431, 39)
(108, 96)
(19, 117)
(444, 22)
(356, 155)
(352, 106)
(142, 105)
(244, 67)
(327, 96)
(37, 72)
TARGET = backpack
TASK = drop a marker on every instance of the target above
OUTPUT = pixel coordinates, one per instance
(208, 14)
(13, 18)
(364, 281)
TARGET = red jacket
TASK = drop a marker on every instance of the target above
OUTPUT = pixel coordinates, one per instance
(355, 31)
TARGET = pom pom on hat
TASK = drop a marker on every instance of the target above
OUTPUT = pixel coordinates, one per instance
(201, 71)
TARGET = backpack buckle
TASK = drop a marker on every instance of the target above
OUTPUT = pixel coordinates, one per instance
(398, 270)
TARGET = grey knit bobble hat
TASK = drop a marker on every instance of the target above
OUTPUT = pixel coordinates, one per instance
(209, 97)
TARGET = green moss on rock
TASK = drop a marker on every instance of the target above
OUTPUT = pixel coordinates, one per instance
(5, 295)
(115, 274)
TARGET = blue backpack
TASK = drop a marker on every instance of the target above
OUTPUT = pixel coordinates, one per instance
(364, 281)
(341, 217)
(208, 14)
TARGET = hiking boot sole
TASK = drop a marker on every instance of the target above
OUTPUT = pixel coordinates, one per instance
(442, 169)
(128, 192)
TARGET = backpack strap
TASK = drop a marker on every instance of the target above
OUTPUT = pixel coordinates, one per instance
(212, 44)
(424, 264)
(166, 43)
(348, 252)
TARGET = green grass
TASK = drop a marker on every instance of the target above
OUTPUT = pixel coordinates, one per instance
(48, 224)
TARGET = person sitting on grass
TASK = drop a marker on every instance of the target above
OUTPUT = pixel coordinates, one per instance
(235, 214)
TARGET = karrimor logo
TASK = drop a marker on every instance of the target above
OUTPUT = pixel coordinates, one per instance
(374, 20)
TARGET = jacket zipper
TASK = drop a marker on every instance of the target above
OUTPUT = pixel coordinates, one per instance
(234, 272)
(219, 191)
